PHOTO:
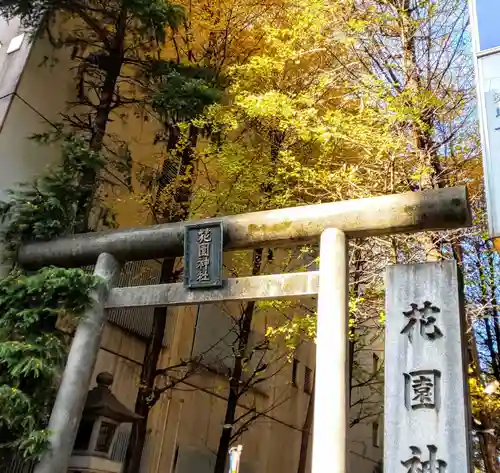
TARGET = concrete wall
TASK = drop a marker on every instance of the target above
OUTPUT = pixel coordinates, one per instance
(185, 425)
(34, 90)
(41, 96)
(12, 63)
(366, 414)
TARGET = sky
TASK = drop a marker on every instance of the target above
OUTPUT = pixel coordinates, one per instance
(488, 18)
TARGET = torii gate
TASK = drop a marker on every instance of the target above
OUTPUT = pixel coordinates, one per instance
(332, 223)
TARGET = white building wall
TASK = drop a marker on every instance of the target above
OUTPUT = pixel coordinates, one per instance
(33, 92)
(36, 101)
(11, 64)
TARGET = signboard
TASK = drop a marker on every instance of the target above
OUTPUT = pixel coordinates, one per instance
(491, 152)
(203, 250)
(485, 35)
(426, 416)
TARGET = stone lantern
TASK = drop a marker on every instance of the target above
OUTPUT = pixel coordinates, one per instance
(102, 415)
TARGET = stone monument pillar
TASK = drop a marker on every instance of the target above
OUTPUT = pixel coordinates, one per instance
(426, 399)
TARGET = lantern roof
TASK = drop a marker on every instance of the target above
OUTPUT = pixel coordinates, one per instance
(102, 402)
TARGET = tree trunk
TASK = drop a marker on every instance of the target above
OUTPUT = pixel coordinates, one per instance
(487, 316)
(491, 348)
(306, 432)
(487, 441)
(494, 309)
(89, 178)
(489, 445)
(106, 100)
(236, 374)
(276, 138)
(113, 69)
(145, 401)
(421, 127)
(358, 263)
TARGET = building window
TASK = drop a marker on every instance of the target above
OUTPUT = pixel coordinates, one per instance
(307, 380)
(376, 434)
(376, 364)
(295, 370)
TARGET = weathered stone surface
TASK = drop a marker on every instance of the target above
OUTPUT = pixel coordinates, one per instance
(251, 288)
(436, 209)
(426, 405)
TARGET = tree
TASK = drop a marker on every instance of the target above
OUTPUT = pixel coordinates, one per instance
(324, 101)
(480, 266)
(41, 210)
(32, 345)
(180, 89)
(247, 369)
(236, 385)
(115, 43)
(33, 351)
(178, 95)
(415, 54)
(109, 40)
(349, 100)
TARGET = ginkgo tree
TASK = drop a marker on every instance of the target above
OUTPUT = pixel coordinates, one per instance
(285, 108)
(347, 100)
(188, 77)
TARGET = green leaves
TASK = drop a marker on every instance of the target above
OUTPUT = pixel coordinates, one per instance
(19, 417)
(154, 16)
(55, 290)
(146, 16)
(41, 210)
(31, 12)
(32, 350)
(182, 92)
